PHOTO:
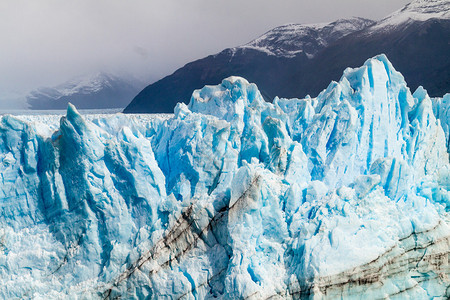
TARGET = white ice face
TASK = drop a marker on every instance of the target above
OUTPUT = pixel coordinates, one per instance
(344, 195)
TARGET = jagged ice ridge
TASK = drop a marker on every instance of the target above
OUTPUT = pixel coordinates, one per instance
(343, 195)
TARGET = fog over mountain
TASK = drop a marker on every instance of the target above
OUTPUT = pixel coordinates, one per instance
(96, 91)
(48, 42)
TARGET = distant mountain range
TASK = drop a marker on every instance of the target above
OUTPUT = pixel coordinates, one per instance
(99, 90)
(295, 60)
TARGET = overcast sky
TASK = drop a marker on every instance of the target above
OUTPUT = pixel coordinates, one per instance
(47, 42)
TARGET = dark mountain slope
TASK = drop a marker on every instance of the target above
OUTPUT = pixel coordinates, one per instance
(267, 61)
(267, 71)
(420, 51)
(296, 60)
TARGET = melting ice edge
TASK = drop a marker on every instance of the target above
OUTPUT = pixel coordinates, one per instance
(343, 195)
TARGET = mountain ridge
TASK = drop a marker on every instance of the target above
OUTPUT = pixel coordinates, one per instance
(279, 40)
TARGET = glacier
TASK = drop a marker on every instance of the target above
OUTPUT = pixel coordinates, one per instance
(341, 196)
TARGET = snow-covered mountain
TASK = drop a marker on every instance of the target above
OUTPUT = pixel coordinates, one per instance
(418, 10)
(294, 60)
(346, 195)
(100, 90)
(292, 39)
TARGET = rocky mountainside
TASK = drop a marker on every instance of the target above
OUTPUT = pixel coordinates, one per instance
(296, 60)
(99, 90)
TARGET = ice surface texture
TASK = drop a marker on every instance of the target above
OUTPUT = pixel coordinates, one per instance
(344, 195)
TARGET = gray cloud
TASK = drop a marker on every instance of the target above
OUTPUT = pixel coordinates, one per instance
(49, 41)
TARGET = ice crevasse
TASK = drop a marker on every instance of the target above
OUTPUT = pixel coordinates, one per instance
(341, 196)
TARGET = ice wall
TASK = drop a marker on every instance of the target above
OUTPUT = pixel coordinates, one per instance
(344, 195)
(441, 109)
